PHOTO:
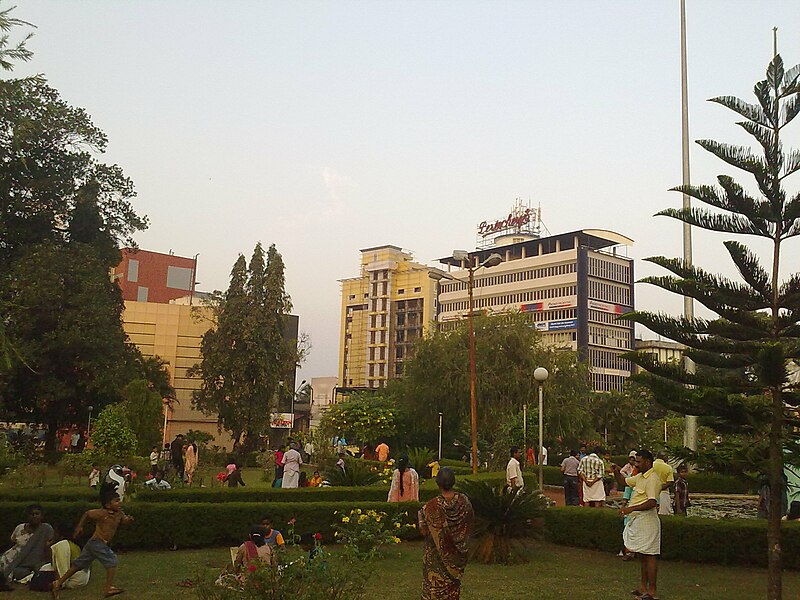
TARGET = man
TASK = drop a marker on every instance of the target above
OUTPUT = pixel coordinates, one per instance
(642, 533)
(543, 456)
(158, 482)
(176, 452)
(569, 468)
(382, 450)
(590, 472)
(291, 467)
(664, 472)
(582, 452)
(513, 471)
(309, 450)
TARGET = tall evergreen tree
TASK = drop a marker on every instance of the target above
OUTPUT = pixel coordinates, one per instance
(246, 354)
(742, 355)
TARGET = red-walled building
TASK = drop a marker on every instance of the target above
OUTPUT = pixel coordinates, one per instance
(146, 276)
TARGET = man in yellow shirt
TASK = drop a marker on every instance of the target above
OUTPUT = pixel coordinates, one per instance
(642, 533)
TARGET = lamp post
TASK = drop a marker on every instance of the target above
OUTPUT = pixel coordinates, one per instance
(540, 374)
(89, 423)
(440, 436)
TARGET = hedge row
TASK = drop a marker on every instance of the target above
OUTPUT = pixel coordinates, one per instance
(321, 494)
(692, 539)
(165, 525)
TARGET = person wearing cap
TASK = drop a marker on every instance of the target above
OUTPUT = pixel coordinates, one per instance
(628, 468)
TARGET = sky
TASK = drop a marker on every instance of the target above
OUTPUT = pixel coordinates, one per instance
(327, 127)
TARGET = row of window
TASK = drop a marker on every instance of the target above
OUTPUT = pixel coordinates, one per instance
(455, 286)
(600, 316)
(609, 270)
(610, 292)
(520, 298)
(607, 383)
(560, 339)
(615, 337)
(608, 359)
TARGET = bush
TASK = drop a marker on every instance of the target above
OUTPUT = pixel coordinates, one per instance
(47, 494)
(692, 539)
(112, 434)
(364, 531)
(419, 459)
(356, 473)
(320, 494)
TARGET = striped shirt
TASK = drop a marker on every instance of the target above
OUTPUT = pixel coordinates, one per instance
(592, 467)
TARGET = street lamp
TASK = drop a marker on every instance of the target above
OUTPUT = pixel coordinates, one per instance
(492, 260)
(540, 374)
(89, 424)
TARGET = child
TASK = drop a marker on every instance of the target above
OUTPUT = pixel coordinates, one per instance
(681, 502)
(154, 461)
(106, 520)
(434, 466)
(340, 462)
(94, 477)
(316, 480)
(234, 478)
(272, 537)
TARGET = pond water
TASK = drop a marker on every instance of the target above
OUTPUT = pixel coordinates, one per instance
(716, 508)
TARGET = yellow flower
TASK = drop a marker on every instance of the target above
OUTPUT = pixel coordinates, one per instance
(345, 519)
(397, 525)
(396, 540)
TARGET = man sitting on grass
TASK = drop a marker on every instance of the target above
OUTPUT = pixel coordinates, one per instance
(158, 482)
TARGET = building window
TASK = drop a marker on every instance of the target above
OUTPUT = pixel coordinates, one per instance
(141, 294)
(401, 291)
(417, 290)
(133, 270)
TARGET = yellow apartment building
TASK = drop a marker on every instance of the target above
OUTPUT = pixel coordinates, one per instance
(390, 305)
(173, 333)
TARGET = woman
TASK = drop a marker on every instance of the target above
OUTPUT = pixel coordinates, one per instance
(444, 521)
(31, 547)
(63, 552)
(254, 550)
(279, 464)
(190, 462)
(405, 483)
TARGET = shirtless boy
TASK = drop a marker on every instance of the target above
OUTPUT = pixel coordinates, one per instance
(106, 520)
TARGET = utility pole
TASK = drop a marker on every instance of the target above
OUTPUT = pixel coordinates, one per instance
(690, 437)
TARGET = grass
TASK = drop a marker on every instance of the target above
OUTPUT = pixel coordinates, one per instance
(554, 573)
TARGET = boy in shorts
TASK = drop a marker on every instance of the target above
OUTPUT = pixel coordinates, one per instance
(106, 520)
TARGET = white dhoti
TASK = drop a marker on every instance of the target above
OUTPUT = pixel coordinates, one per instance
(664, 503)
(291, 479)
(594, 493)
(642, 533)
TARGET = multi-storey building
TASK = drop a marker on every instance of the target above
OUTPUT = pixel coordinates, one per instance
(573, 287)
(146, 276)
(384, 311)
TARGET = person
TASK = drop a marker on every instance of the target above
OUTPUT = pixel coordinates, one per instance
(234, 477)
(590, 472)
(681, 502)
(190, 464)
(382, 451)
(341, 443)
(642, 533)
(405, 483)
(513, 471)
(664, 471)
(62, 552)
(794, 510)
(582, 452)
(444, 522)
(106, 521)
(278, 465)
(291, 468)
(309, 450)
(30, 549)
(176, 453)
(73, 440)
(434, 467)
(629, 467)
(165, 458)
(158, 482)
(543, 456)
(254, 550)
(569, 468)
(340, 462)
(272, 537)
(367, 453)
(94, 477)
(764, 492)
(65, 441)
(154, 461)
(316, 480)
(530, 457)
(302, 481)
(116, 477)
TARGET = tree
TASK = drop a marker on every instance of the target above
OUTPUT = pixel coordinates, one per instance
(247, 354)
(10, 52)
(143, 408)
(742, 355)
(363, 417)
(112, 435)
(508, 350)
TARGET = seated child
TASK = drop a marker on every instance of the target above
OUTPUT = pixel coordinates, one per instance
(254, 550)
(234, 478)
(316, 480)
(94, 477)
(272, 537)
(158, 482)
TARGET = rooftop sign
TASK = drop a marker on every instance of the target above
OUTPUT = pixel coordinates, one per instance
(513, 220)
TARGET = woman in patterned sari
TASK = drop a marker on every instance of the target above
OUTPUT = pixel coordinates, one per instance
(445, 522)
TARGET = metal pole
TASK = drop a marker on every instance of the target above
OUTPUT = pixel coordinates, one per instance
(473, 403)
(89, 424)
(688, 303)
(541, 435)
(440, 436)
(525, 426)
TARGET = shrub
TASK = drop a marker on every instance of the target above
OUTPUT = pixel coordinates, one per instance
(506, 521)
(112, 434)
(320, 494)
(75, 465)
(10, 458)
(364, 531)
(420, 458)
(355, 473)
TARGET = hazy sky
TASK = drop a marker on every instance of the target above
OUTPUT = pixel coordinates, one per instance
(326, 127)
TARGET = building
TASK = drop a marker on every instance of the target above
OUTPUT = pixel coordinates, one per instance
(665, 351)
(573, 286)
(146, 276)
(323, 394)
(384, 311)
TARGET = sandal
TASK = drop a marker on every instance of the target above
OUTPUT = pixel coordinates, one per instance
(647, 597)
(113, 592)
(186, 583)
(637, 593)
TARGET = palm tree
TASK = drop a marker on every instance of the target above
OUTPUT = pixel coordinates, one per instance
(743, 353)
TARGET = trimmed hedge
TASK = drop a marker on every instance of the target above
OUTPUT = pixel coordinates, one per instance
(162, 525)
(48, 494)
(693, 539)
(320, 494)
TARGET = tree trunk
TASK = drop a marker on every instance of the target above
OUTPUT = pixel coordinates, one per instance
(776, 485)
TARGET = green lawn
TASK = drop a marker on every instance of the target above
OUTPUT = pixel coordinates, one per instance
(555, 573)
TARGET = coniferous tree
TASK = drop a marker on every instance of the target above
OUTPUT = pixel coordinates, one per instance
(743, 354)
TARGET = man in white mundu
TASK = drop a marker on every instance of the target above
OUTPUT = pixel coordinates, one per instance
(590, 471)
(291, 467)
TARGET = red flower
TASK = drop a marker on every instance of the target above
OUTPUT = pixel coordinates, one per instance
(318, 536)
(292, 521)
(251, 568)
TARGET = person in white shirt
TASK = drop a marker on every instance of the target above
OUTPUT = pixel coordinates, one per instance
(158, 482)
(513, 471)
(154, 461)
(543, 456)
(291, 468)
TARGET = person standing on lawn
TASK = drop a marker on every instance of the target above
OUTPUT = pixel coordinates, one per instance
(569, 468)
(291, 468)
(405, 483)
(445, 523)
(590, 471)
(176, 452)
(382, 451)
(106, 520)
(190, 464)
(642, 532)
(681, 502)
(514, 478)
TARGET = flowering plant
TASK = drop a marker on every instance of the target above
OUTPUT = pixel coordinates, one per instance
(364, 531)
